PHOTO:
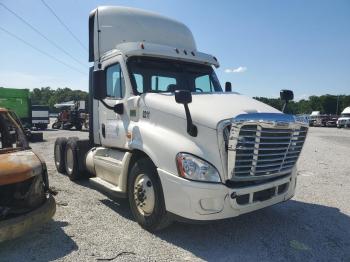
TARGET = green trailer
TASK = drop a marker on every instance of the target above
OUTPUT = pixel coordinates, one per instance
(17, 100)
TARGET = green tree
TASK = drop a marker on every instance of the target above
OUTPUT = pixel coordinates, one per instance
(50, 97)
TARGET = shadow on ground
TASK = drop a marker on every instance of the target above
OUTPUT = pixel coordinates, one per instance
(293, 231)
(50, 239)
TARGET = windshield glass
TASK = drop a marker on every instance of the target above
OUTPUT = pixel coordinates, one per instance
(11, 133)
(345, 115)
(164, 75)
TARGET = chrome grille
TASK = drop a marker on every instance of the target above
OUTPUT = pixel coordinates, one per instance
(264, 149)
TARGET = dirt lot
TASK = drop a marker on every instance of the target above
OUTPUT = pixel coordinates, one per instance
(314, 226)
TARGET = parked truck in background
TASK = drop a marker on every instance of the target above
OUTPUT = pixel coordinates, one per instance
(40, 116)
(344, 119)
(164, 134)
(18, 101)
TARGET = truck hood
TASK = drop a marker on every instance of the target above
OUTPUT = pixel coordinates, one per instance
(207, 109)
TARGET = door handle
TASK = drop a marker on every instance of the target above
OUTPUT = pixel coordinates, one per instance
(103, 130)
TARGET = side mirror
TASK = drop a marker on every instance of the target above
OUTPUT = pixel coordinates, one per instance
(286, 95)
(99, 84)
(228, 87)
(119, 108)
(183, 97)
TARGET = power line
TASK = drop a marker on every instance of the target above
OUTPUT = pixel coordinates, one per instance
(64, 25)
(40, 51)
(41, 34)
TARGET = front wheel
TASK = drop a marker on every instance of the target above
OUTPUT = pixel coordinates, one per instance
(146, 196)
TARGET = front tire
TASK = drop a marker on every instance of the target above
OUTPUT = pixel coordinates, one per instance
(146, 197)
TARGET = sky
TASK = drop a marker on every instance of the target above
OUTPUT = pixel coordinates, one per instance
(262, 46)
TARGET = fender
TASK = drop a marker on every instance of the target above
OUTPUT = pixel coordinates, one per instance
(151, 138)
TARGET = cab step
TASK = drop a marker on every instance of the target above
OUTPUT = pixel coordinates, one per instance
(107, 188)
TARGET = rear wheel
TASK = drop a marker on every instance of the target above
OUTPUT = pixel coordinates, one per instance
(146, 196)
(59, 152)
(71, 159)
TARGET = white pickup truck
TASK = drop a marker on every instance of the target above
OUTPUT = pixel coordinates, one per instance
(165, 135)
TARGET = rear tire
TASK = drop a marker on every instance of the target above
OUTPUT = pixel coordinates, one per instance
(71, 159)
(59, 153)
(148, 211)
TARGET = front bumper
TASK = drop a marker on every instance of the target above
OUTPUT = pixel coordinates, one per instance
(17, 226)
(207, 201)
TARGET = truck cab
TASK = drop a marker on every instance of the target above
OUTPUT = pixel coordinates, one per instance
(344, 119)
(164, 134)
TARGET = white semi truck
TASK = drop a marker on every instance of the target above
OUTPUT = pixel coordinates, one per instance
(344, 119)
(165, 135)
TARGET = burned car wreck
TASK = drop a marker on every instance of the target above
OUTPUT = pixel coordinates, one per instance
(25, 201)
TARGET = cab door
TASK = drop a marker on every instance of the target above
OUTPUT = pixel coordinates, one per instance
(113, 126)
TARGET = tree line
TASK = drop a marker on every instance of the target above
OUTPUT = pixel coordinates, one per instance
(50, 97)
(326, 104)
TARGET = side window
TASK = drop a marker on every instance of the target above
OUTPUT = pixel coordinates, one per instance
(139, 82)
(162, 83)
(115, 82)
(203, 84)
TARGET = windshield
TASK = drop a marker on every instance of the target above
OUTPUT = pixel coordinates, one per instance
(345, 115)
(164, 75)
(11, 133)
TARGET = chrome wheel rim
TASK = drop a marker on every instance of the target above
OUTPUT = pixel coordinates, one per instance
(144, 195)
(69, 161)
(57, 155)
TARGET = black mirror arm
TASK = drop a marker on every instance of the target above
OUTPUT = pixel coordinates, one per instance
(111, 107)
(284, 106)
(106, 105)
(191, 128)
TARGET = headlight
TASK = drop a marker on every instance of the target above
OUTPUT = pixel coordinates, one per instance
(194, 168)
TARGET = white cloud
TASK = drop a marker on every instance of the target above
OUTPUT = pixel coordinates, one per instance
(240, 69)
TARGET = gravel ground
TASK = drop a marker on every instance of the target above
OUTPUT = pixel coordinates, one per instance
(313, 226)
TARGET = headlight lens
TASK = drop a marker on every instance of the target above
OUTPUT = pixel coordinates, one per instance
(194, 168)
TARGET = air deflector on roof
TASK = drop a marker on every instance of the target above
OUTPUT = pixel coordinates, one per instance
(91, 35)
(110, 26)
